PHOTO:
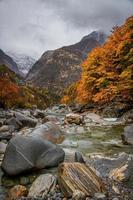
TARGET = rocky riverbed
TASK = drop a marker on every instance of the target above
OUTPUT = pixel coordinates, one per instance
(35, 142)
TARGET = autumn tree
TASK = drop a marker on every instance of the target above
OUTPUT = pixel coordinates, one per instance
(107, 71)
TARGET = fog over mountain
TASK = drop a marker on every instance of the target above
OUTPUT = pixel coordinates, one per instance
(32, 27)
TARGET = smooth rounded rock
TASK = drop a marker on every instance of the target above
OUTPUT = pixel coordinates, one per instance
(30, 153)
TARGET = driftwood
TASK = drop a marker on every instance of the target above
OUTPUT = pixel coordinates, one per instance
(78, 176)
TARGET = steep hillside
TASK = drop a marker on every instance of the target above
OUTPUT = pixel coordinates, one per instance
(57, 69)
(14, 93)
(9, 62)
(108, 71)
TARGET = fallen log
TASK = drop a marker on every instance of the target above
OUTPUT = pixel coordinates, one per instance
(78, 176)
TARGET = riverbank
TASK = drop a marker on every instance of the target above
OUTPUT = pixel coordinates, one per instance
(97, 138)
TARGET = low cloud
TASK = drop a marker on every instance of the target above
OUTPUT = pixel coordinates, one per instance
(32, 27)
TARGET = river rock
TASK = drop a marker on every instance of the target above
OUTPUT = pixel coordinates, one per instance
(78, 195)
(48, 131)
(78, 176)
(74, 118)
(17, 192)
(43, 185)
(2, 147)
(30, 153)
(93, 118)
(5, 136)
(51, 118)
(100, 196)
(38, 113)
(104, 165)
(14, 123)
(127, 136)
(124, 172)
(4, 128)
(25, 120)
(79, 158)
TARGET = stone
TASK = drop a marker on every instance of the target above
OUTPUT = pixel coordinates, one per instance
(43, 185)
(4, 128)
(48, 131)
(78, 195)
(127, 136)
(24, 154)
(106, 164)
(51, 118)
(5, 136)
(74, 118)
(24, 180)
(38, 113)
(123, 172)
(2, 147)
(14, 123)
(100, 196)
(17, 192)
(78, 176)
(26, 120)
(79, 158)
(93, 118)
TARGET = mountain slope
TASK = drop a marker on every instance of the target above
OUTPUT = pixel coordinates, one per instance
(57, 69)
(9, 62)
(24, 62)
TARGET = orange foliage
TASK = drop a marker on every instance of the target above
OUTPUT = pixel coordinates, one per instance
(108, 70)
(9, 92)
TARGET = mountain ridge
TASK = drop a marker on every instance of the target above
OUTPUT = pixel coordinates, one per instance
(56, 69)
(9, 62)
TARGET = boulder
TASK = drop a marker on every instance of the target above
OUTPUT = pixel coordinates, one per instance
(38, 113)
(48, 131)
(30, 153)
(118, 167)
(93, 118)
(78, 176)
(127, 136)
(43, 185)
(74, 118)
(14, 123)
(25, 120)
(124, 172)
(17, 192)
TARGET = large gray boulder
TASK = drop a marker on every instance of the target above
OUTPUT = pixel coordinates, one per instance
(127, 136)
(30, 153)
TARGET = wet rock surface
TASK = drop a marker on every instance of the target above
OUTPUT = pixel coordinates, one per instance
(28, 153)
(127, 136)
(98, 139)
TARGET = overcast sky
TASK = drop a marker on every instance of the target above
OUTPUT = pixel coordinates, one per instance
(33, 26)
